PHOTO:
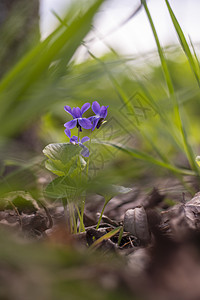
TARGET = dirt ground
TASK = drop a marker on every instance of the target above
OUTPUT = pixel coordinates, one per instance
(156, 256)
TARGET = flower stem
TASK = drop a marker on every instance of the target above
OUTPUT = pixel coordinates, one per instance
(80, 214)
(87, 170)
(78, 133)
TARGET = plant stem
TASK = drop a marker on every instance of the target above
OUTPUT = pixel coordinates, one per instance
(83, 201)
(73, 218)
(70, 217)
(80, 214)
(101, 214)
(82, 227)
(82, 209)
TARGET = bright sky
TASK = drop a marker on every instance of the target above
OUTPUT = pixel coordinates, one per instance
(134, 37)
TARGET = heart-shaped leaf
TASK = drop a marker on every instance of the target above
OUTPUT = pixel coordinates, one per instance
(64, 159)
(114, 190)
(64, 188)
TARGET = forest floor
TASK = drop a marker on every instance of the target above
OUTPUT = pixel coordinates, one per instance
(156, 257)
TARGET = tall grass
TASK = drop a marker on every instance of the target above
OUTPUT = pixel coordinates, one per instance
(152, 130)
(30, 89)
(172, 121)
(39, 71)
(163, 138)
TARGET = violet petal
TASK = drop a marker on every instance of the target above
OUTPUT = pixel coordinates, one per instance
(85, 123)
(68, 109)
(71, 124)
(85, 152)
(68, 132)
(85, 139)
(96, 107)
(76, 112)
(103, 112)
(95, 122)
(74, 140)
(85, 107)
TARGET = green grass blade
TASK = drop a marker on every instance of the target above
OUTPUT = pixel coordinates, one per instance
(125, 100)
(160, 51)
(105, 237)
(177, 118)
(137, 154)
(34, 68)
(122, 95)
(184, 43)
(195, 54)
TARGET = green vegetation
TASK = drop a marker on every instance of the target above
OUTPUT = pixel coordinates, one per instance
(151, 133)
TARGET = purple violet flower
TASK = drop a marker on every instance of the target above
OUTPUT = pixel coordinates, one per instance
(78, 120)
(74, 140)
(101, 113)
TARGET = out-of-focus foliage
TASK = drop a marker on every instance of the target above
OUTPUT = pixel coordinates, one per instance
(142, 132)
(19, 30)
(152, 131)
(27, 90)
(56, 272)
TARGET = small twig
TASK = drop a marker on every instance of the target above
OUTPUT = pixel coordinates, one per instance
(110, 222)
(131, 242)
(120, 235)
(183, 198)
(17, 212)
(48, 215)
(125, 244)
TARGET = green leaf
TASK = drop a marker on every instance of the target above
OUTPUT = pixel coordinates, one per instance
(43, 67)
(114, 190)
(119, 189)
(55, 166)
(160, 51)
(64, 159)
(61, 151)
(150, 159)
(177, 116)
(64, 188)
(198, 160)
(105, 237)
(21, 200)
(21, 177)
(184, 43)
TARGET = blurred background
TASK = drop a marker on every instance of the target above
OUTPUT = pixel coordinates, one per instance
(115, 23)
(142, 60)
(71, 52)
